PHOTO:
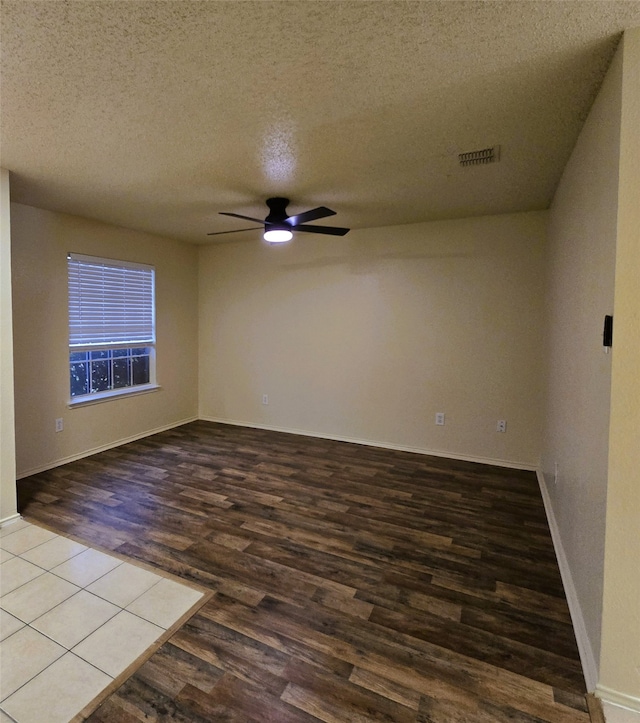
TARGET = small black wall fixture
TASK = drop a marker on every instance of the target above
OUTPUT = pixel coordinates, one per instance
(607, 333)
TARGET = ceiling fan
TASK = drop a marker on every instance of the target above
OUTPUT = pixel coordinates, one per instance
(279, 227)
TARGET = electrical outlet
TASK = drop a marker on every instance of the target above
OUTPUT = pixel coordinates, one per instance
(440, 418)
(265, 399)
(501, 426)
(59, 424)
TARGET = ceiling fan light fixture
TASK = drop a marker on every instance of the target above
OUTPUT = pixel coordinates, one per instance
(277, 235)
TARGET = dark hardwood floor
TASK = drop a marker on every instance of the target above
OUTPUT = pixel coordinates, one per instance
(351, 583)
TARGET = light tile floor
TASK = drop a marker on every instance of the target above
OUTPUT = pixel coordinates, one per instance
(72, 619)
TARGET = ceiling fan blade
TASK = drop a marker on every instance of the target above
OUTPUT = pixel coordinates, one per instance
(331, 230)
(246, 218)
(235, 230)
(312, 215)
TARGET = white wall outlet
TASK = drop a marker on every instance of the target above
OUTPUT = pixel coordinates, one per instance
(59, 424)
(501, 426)
(265, 399)
(440, 418)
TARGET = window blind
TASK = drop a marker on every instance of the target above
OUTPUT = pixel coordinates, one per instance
(110, 302)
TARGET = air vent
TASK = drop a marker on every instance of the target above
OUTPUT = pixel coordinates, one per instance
(478, 158)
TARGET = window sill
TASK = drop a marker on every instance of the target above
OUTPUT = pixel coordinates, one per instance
(108, 396)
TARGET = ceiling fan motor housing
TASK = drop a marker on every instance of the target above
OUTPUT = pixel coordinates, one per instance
(277, 213)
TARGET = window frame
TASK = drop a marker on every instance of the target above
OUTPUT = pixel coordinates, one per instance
(148, 340)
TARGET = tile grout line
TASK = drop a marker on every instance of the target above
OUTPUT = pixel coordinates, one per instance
(46, 667)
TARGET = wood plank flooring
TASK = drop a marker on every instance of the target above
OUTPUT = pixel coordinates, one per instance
(351, 583)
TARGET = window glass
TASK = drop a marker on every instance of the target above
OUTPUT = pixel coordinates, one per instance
(104, 370)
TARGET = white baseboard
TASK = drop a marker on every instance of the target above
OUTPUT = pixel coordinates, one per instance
(367, 442)
(11, 518)
(382, 445)
(102, 448)
(587, 658)
(618, 706)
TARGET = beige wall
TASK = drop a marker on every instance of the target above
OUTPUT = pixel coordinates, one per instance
(40, 242)
(7, 433)
(620, 658)
(592, 421)
(368, 336)
(582, 248)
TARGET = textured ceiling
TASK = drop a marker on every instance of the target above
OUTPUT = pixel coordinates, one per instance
(157, 115)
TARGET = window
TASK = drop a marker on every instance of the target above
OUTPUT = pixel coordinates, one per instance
(111, 327)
